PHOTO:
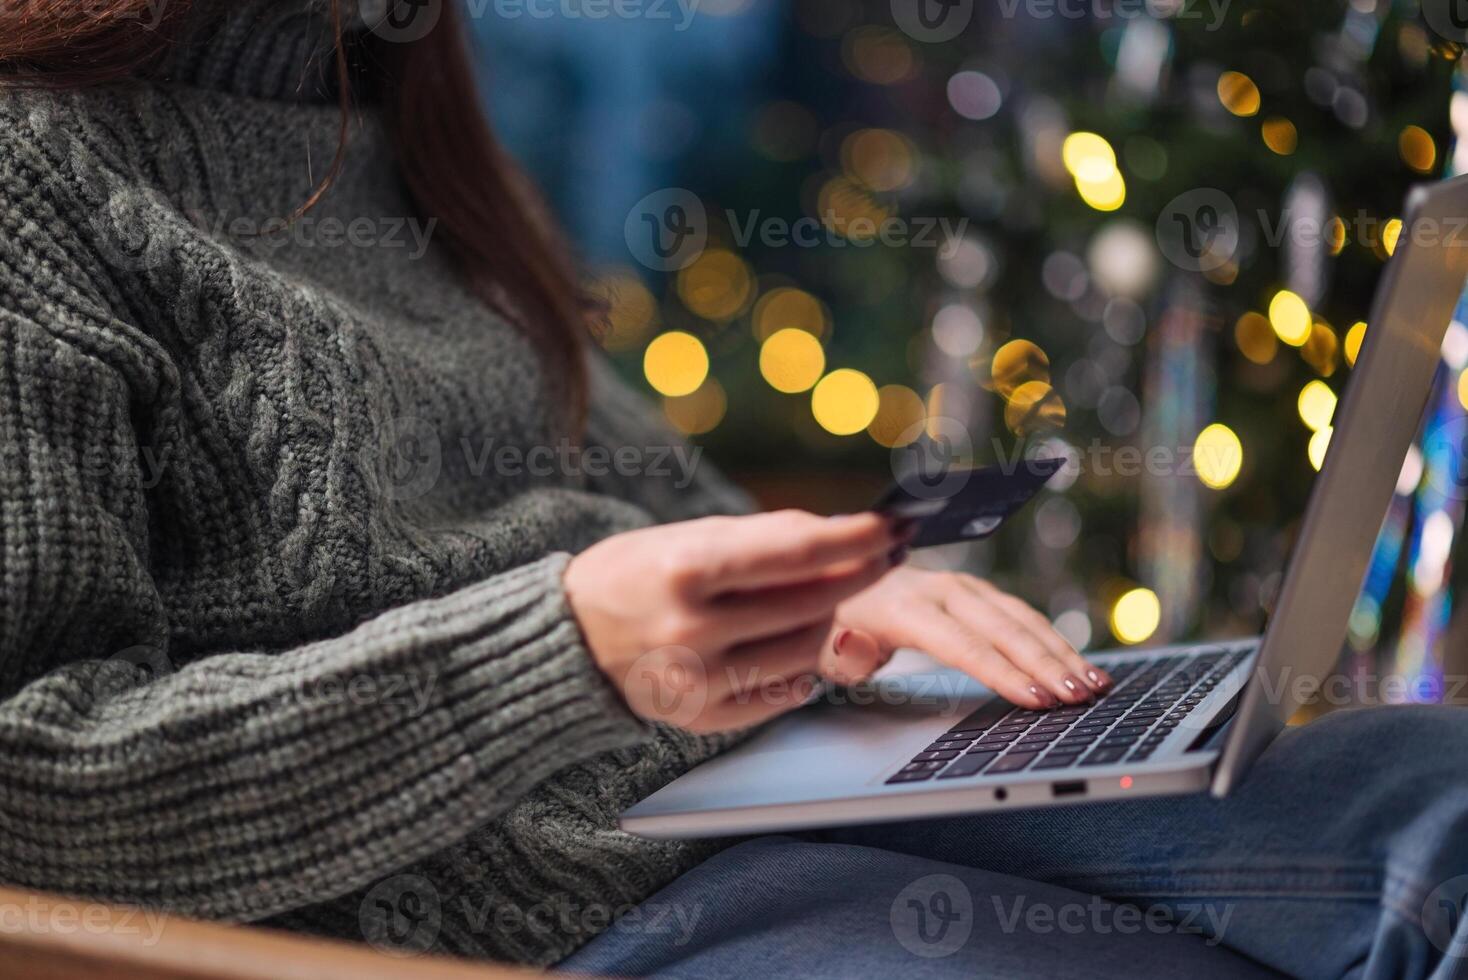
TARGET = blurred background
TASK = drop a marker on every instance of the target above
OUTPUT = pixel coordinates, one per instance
(1143, 233)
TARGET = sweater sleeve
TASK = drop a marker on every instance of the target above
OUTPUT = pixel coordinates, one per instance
(243, 784)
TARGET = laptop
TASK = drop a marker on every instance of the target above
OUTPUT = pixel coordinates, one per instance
(1180, 719)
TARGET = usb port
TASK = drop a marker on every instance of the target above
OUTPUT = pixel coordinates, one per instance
(1073, 788)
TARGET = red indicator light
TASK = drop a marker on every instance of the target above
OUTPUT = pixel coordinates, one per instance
(1126, 782)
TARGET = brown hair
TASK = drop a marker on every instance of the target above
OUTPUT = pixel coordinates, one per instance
(488, 216)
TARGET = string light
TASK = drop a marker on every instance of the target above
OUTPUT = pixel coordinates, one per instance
(1256, 338)
(1280, 135)
(844, 402)
(675, 363)
(699, 412)
(1290, 318)
(1218, 456)
(792, 360)
(1355, 337)
(1239, 94)
(1418, 149)
(1317, 405)
(899, 418)
(1390, 235)
(1136, 616)
(1319, 445)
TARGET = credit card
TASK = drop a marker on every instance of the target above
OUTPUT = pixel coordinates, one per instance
(965, 504)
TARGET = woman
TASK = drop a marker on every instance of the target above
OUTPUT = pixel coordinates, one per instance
(292, 632)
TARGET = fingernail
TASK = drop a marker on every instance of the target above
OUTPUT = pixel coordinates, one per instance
(1046, 699)
(841, 636)
(1098, 680)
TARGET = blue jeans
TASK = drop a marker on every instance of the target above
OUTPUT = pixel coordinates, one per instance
(1343, 854)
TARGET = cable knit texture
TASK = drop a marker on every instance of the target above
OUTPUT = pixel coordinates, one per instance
(282, 633)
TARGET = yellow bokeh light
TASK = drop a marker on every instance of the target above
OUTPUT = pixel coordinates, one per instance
(1088, 157)
(1290, 318)
(1322, 350)
(1319, 445)
(1239, 94)
(786, 306)
(1256, 338)
(1034, 405)
(1355, 337)
(1337, 235)
(1390, 235)
(718, 285)
(844, 402)
(1463, 389)
(1136, 616)
(878, 55)
(1280, 135)
(699, 412)
(848, 209)
(1317, 405)
(900, 413)
(1218, 456)
(1017, 362)
(879, 158)
(1104, 195)
(1418, 149)
(675, 363)
(792, 360)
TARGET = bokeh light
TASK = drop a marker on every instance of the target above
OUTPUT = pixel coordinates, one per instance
(631, 309)
(1136, 616)
(792, 360)
(1016, 363)
(1390, 235)
(718, 285)
(1317, 405)
(1218, 456)
(699, 412)
(1034, 406)
(879, 158)
(1418, 149)
(1463, 389)
(1280, 135)
(786, 306)
(1088, 157)
(900, 413)
(1319, 446)
(1290, 318)
(675, 364)
(1355, 337)
(1256, 338)
(1239, 94)
(844, 402)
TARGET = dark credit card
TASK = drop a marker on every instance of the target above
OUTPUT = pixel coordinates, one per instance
(962, 504)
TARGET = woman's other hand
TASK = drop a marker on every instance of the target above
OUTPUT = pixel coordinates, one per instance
(721, 623)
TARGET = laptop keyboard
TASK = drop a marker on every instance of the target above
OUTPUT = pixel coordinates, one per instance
(1150, 699)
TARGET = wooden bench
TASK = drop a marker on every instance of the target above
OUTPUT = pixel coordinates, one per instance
(47, 938)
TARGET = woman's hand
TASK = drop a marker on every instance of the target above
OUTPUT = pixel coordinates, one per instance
(966, 623)
(722, 623)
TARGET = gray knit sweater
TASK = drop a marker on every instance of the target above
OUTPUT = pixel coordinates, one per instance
(283, 517)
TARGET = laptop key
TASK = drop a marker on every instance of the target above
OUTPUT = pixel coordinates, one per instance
(943, 756)
(1053, 761)
(969, 765)
(1013, 762)
(922, 767)
(910, 777)
(1104, 755)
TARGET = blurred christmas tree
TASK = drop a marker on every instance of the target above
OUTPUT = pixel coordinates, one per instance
(1146, 235)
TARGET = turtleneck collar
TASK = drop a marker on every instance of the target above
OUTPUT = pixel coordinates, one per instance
(266, 49)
